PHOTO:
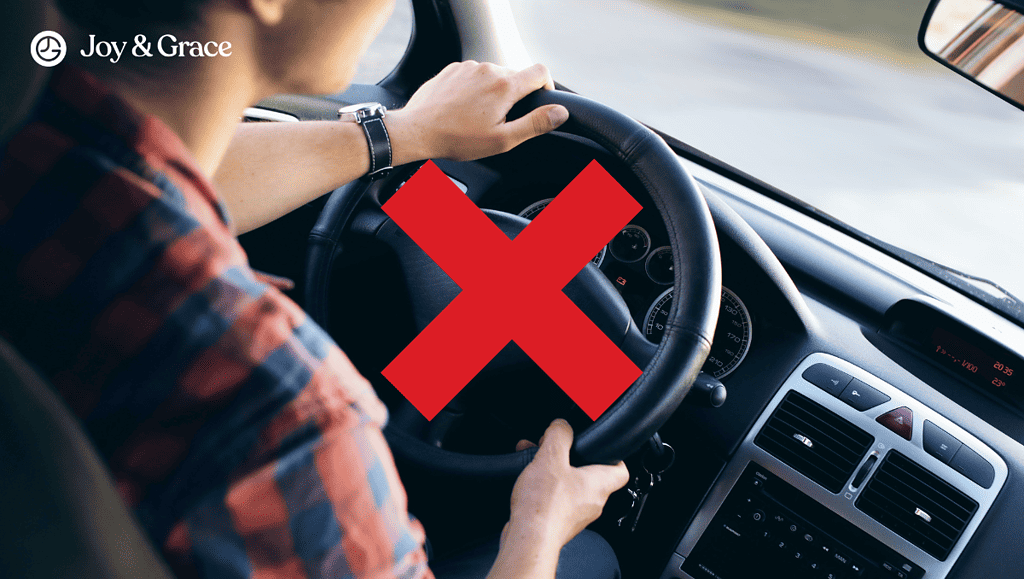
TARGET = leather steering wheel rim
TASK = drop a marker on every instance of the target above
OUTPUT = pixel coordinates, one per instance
(689, 328)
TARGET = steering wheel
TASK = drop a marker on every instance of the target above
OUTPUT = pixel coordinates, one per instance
(669, 367)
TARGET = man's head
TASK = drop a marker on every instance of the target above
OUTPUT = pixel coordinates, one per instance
(300, 46)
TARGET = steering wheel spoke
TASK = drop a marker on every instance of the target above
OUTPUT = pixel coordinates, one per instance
(639, 349)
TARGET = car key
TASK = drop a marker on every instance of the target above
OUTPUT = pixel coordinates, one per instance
(639, 491)
(634, 498)
(639, 496)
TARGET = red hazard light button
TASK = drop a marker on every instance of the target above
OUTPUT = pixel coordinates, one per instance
(900, 421)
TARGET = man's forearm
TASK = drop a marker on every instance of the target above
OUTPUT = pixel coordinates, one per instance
(273, 168)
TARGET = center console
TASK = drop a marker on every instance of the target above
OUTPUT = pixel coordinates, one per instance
(843, 476)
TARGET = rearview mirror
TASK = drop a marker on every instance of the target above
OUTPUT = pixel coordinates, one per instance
(983, 40)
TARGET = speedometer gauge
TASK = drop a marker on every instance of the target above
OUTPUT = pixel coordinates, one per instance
(534, 209)
(732, 334)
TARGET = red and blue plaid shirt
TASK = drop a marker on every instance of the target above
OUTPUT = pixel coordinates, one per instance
(243, 438)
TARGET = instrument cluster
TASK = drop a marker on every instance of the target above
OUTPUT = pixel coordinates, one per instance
(640, 266)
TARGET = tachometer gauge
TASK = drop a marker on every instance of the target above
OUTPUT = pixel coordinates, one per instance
(732, 334)
(659, 266)
(631, 244)
(531, 211)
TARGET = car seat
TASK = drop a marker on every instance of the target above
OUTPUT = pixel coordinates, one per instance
(59, 513)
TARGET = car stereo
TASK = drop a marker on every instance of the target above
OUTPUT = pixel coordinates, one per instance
(843, 476)
(766, 524)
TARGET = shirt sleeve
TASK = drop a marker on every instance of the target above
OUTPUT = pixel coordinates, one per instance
(287, 442)
(318, 495)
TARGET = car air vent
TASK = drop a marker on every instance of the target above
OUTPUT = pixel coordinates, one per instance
(917, 505)
(814, 440)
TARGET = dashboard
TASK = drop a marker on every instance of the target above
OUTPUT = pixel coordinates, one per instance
(928, 404)
(907, 502)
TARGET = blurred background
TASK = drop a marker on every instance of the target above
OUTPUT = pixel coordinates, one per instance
(831, 101)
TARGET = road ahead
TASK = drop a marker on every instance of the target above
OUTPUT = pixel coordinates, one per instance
(891, 143)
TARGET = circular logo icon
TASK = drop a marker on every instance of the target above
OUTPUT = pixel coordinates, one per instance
(48, 48)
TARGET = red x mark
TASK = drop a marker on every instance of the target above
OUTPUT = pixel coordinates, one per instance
(511, 290)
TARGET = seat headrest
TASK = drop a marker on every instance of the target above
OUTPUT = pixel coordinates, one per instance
(23, 79)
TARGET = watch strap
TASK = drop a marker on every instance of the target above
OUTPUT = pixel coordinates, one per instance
(380, 146)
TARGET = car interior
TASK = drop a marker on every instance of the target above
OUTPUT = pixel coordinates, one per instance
(815, 403)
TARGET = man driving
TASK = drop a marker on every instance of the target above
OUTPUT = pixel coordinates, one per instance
(241, 436)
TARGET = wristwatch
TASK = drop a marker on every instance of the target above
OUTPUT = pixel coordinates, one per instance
(370, 116)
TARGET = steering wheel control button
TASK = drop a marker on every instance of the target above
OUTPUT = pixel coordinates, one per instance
(861, 396)
(829, 379)
(900, 421)
(973, 466)
(707, 391)
(631, 244)
(939, 443)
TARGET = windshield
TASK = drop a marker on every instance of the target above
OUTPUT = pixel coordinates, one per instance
(832, 102)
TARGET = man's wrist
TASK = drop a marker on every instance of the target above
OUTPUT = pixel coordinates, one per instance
(409, 142)
(525, 553)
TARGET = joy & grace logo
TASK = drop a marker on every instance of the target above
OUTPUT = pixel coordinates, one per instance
(49, 48)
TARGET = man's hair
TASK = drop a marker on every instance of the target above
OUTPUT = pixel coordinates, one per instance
(125, 18)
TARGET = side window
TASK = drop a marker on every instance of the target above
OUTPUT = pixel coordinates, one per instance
(388, 48)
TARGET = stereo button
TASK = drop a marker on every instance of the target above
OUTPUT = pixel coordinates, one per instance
(827, 378)
(861, 396)
(971, 465)
(940, 443)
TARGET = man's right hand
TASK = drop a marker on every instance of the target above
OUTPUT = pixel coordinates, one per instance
(552, 502)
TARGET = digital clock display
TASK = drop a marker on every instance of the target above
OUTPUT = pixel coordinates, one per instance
(975, 363)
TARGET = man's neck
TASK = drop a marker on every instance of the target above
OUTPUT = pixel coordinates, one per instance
(200, 99)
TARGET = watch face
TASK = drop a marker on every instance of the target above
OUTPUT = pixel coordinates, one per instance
(361, 111)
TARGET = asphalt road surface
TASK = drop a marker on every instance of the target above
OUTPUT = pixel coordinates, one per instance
(888, 141)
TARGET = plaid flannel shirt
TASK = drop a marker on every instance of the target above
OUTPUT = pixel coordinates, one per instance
(242, 437)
